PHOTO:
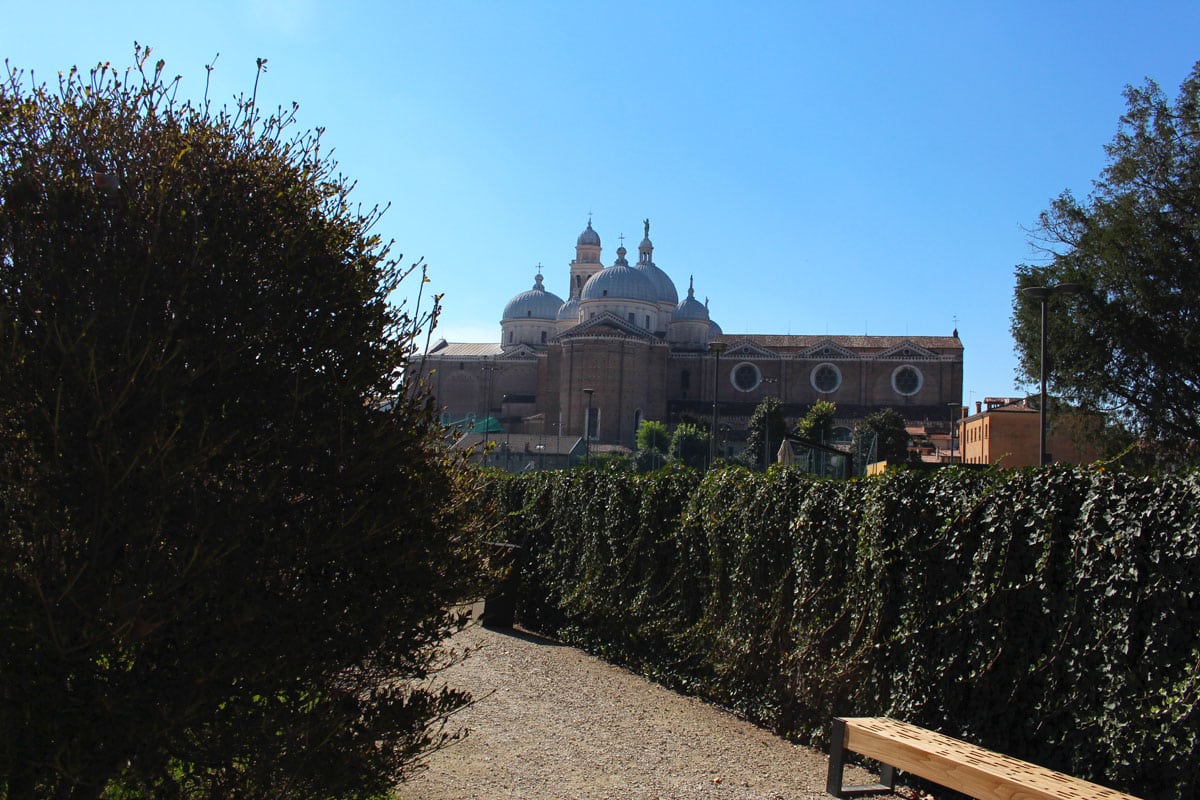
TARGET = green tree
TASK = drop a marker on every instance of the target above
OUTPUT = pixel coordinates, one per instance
(689, 445)
(767, 431)
(817, 423)
(816, 428)
(1130, 343)
(880, 436)
(653, 435)
(653, 443)
(229, 549)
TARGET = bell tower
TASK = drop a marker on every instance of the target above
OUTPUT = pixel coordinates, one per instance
(587, 260)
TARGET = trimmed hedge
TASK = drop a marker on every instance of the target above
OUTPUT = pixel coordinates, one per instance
(1050, 614)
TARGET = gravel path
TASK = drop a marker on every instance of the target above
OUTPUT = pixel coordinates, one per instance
(552, 722)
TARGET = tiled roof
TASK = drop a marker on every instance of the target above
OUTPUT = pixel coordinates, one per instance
(465, 349)
(781, 343)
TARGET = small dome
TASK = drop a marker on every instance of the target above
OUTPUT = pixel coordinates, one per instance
(714, 330)
(569, 310)
(589, 237)
(536, 303)
(619, 282)
(690, 309)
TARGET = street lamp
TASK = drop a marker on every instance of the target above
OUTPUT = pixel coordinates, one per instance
(955, 412)
(487, 369)
(767, 431)
(716, 348)
(1042, 294)
(587, 428)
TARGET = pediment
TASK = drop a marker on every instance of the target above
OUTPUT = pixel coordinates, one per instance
(606, 324)
(907, 351)
(828, 350)
(516, 353)
(748, 350)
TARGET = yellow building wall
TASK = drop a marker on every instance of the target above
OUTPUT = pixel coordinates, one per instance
(1010, 438)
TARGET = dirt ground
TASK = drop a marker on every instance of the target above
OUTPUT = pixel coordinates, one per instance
(552, 722)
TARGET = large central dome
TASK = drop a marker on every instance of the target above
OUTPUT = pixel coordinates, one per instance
(620, 282)
(664, 287)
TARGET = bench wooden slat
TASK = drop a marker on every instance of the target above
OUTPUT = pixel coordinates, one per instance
(965, 767)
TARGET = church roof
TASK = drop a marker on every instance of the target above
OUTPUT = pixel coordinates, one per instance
(536, 303)
(569, 309)
(446, 349)
(690, 308)
(588, 237)
(664, 287)
(861, 344)
(620, 282)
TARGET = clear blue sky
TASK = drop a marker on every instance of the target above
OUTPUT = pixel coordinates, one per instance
(834, 168)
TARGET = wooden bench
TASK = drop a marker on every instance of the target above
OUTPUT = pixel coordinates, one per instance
(949, 762)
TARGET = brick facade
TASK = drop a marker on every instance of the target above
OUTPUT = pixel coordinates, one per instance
(665, 369)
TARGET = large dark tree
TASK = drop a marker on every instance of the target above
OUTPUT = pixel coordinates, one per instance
(653, 443)
(880, 436)
(767, 428)
(229, 548)
(690, 445)
(1130, 343)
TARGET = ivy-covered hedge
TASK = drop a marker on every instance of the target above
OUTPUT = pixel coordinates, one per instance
(1050, 614)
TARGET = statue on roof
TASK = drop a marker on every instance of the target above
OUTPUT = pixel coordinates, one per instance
(646, 225)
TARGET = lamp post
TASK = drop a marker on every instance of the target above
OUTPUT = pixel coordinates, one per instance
(767, 432)
(955, 415)
(587, 428)
(487, 369)
(716, 348)
(1042, 294)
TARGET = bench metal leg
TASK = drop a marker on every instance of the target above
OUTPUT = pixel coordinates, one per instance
(837, 766)
(837, 759)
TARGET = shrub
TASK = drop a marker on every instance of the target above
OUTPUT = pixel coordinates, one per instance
(1050, 614)
(229, 548)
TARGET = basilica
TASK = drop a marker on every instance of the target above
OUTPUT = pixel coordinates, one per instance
(623, 347)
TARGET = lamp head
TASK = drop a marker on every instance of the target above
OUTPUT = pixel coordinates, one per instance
(1042, 292)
